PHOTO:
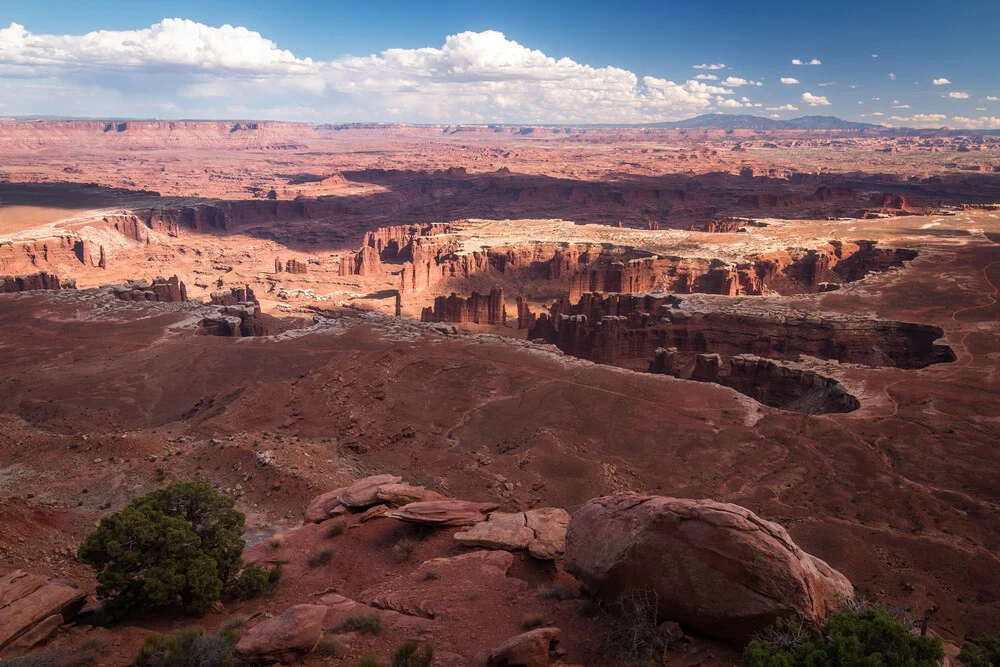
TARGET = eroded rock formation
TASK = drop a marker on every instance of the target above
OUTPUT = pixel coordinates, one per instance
(162, 289)
(239, 314)
(477, 309)
(32, 281)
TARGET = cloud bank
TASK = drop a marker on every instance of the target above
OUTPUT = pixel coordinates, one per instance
(472, 77)
(178, 66)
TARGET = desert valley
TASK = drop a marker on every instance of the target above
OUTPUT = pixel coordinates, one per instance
(470, 385)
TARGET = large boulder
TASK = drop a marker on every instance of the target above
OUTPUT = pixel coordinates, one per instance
(32, 608)
(284, 638)
(714, 567)
(364, 492)
(443, 512)
(531, 649)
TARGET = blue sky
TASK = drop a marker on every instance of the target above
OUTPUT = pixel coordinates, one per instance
(555, 62)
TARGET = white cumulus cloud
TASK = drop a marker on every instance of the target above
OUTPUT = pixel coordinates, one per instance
(220, 71)
(712, 66)
(981, 123)
(959, 96)
(814, 100)
(941, 82)
(784, 107)
(735, 82)
(706, 77)
(789, 81)
(796, 61)
(892, 75)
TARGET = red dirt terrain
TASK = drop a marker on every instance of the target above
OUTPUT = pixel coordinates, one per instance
(802, 324)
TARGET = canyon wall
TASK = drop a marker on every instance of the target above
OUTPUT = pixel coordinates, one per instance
(477, 309)
(31, 282)
(619, 329)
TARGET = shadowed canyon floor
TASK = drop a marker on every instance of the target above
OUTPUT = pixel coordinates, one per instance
(829, 363)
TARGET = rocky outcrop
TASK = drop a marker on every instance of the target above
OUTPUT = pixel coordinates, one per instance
(715, 567)
(394, 243)
(365, 262)
(31, 282)
(322, 507)
(233, 296)
(239, 314)
(284, 638)
(295, 266)
(32, 608)
(443, 512)
(535, 648)
(364, 492)
(397, 495)
(541, 531)
(525, 318)
(168, 290)
(477, 309)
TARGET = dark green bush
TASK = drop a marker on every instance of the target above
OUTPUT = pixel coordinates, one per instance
(255, 581)
(251, 583)
(181, 544)
(191, 648)
(412, 653)
(867, 637)
(984, 651)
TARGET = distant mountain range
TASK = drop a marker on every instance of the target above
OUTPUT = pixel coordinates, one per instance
(748, 122)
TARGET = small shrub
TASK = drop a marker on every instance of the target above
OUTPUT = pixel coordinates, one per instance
(472, 596)
(556, 591)
(633, 634)
(365, 624)
(276, 542)
(337, 527)
(331, 647)
(983, 651)
(274, 575)
(402, 551)
(412, 653)
(532, 621)
(255, 581)
(431, 575)
(368, 660)
(320, 557)
(869, 637)
(190, 648)
(233, 624)
(88, 654)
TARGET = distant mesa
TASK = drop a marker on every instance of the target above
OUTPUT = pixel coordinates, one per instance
(758, 123)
